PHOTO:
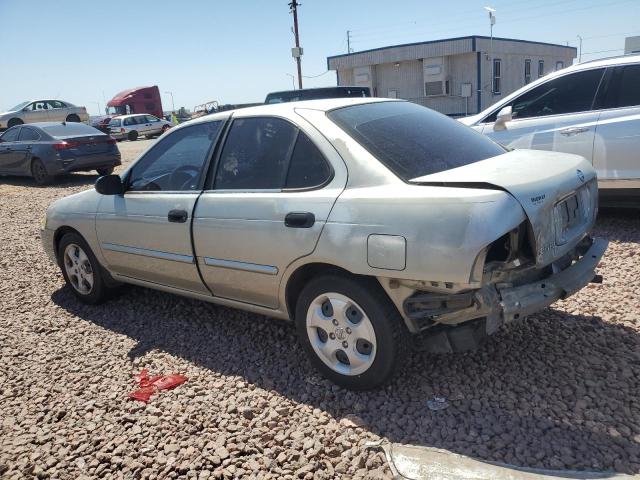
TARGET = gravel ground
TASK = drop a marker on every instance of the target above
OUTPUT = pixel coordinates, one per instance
(559, 390)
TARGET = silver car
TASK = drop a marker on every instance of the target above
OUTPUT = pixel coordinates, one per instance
(43, 111)
(591, 109)
(130, 127)
(365, 221)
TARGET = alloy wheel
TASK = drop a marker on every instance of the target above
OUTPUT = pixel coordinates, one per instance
(78, 269)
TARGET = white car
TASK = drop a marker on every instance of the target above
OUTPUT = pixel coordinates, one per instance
(363, 220)
(591, 109)
(134, 125)
(33, 111)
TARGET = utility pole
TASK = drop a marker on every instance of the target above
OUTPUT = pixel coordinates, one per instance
(297, 51)
(580, 51)
(348, 41)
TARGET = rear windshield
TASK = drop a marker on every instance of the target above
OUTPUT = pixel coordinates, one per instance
(298, 95)
(115, 122)
(411, 140)
(70, 129)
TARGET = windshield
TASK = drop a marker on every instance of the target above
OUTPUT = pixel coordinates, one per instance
(411, 140)
(119, 110)
(20, 106)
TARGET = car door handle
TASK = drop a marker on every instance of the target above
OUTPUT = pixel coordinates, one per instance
(299, 220)
(178, 216)
(573, 131)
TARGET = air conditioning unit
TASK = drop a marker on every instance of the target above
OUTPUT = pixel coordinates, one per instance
(435, 73)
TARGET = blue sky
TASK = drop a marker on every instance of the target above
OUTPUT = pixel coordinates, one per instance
(85, 51)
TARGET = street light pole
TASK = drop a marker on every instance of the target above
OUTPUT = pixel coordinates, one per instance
(580, 51)
(293, 80)
(173, 107)
(492, 22)
(98, 104)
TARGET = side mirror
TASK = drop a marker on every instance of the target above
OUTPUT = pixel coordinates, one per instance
(110, 185)
(505, 115)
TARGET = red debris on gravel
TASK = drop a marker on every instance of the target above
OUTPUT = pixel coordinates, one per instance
(150, 385)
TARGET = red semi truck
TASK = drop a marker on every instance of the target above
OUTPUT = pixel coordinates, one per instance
(136, 100)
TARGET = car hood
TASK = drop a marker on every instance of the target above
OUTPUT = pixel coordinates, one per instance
(10, 112)
(469, 120)
(544, 184)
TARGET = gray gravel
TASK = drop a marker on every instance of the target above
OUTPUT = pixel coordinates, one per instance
(559, 390)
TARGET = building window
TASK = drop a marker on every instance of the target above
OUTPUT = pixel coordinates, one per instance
(496, 75)
(527, 71)
(540, 68)
(559, 65)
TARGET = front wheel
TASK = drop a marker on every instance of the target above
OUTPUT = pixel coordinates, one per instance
(13, 122)
(81, 269)
(104, 171)
(351, 331)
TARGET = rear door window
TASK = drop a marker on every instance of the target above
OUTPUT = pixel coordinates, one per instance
(412, 140)
(256, 154)
(622, 89)
(130, 121)
(28, 134)
(308, 167)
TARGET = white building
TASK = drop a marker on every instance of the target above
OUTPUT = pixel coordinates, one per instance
(631, 45)
(453, 76)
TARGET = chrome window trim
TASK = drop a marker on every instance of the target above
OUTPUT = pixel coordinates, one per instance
(244, 266)
(145, 252)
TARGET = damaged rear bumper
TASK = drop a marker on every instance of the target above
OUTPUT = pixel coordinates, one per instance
(517, 302)
(498, 304)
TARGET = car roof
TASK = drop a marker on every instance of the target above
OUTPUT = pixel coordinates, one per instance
(276, 109)
(132, 115)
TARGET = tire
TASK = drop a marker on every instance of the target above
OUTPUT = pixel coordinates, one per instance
(73, 118)
(368, 331)
(81, 270)
(104, 171)
(39, 172)
(133, 135)
(13, 122)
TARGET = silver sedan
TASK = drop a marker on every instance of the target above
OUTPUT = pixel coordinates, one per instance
(365, 221)
(33, 111)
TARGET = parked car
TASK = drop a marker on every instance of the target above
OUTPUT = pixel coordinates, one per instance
(363, 220)
(130, 127)
(44, 150)
(317, 94)
(591, 109)
(43, 111)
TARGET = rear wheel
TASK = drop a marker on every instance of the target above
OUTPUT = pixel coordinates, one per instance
(73, 118)
(104, 171)
(351, 331)
(13, 122)
(81, 269)
(133, 135)
(39, 172)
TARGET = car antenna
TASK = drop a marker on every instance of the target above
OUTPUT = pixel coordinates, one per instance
(64, 123)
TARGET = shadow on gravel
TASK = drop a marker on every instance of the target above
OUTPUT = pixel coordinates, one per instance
(555, 391)
(69, 180)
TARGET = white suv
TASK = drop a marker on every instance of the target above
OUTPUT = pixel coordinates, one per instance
(592, 109)
(132, 126)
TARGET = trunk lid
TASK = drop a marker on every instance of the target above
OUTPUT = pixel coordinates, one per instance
(87, 144)
(557, 191)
